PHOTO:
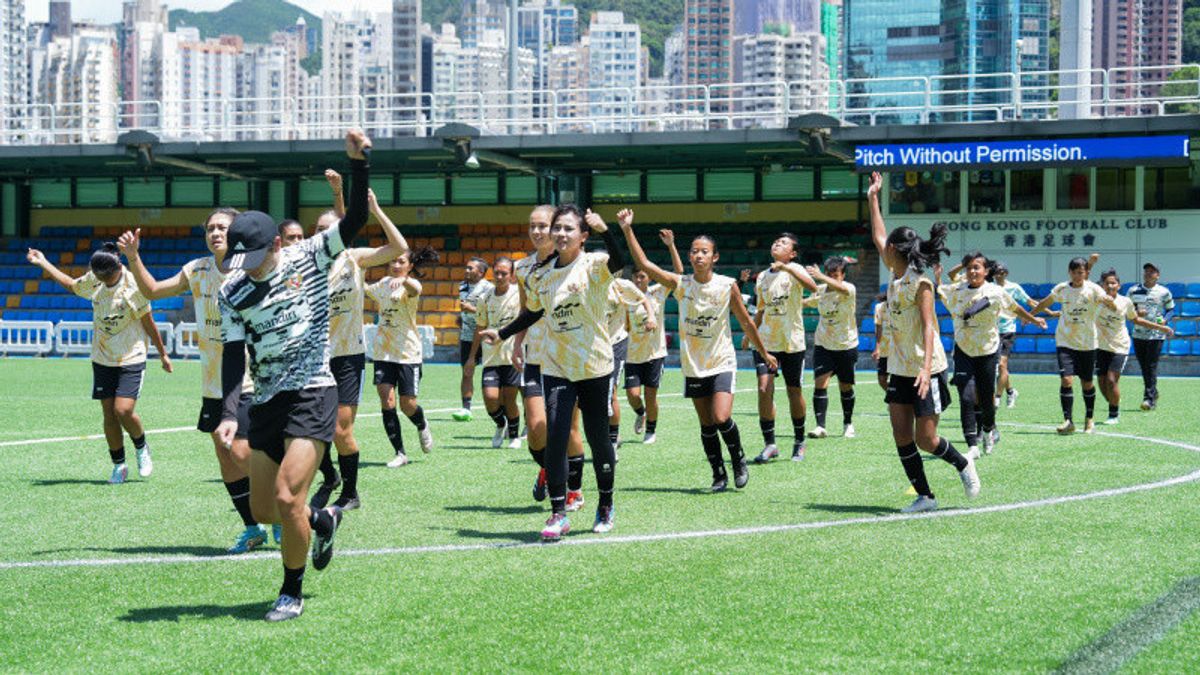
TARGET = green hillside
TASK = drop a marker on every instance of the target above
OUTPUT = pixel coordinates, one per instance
(254, 20)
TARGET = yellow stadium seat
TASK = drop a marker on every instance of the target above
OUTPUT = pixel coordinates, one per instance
(428, 304)
(31, 287)
(455, 258)
(66, 258)
(447, 305)
(83, 244)
(441, 274)
(13, 301)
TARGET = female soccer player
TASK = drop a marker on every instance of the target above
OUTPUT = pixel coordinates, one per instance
(648, 346)
(780, 321)
(836, 342)
(120, 321)
(975, 305)
(622, 294)
(1112, 339)
(883, 339)
(570, 288)
(706, 354)
(1008, 328)
(917, 389)
(1075, 339)
(499, 307)
(397, 349)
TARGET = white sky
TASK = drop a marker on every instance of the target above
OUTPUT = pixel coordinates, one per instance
(109, 11)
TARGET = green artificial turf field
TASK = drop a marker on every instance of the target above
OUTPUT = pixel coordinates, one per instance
(809, 568)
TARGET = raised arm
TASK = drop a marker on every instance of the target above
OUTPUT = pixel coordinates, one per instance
(798, 273)
(668, 240)
(668, 279)
(396, 244)
(153, 289)
(878, 229)
(358, 146)
(339, 201)
(830, 283)
(38, 258)
(1027, 317)
(616, 259)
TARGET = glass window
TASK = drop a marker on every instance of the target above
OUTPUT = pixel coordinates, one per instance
(788, 184)
(316, 192)
(671, 186)
(385, 189)
(422, 190)
(617, 186)
(145, 191)
(728, 186)
(235, 193)
(1074, 188)
(1173, 187)
(838, 183)
(191, 192)
(1115, 189)
(474, 189)
(923, 192)
(49, 193)
(520, 189)
(96, 191)
(1026, 190)
(985, 191)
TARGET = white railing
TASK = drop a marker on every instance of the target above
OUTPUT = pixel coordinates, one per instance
(26, 337)
(73, 337)
(167, 331)
(187, 339)
(1055, 94)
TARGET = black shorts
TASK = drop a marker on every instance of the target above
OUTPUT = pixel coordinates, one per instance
(117, 381)
(1006, 343)
(464, 350)
(791, 365)
(840, 362)
(902, 390)
(648, 374)
(1107, 361)
(211, 410)
(1072, 362)
(405, 377)
(501, 376)
(968, 368)
(620, 353)
(881, 367)
(306, 413)
(700, 387)
(531, 381)
(348, 372)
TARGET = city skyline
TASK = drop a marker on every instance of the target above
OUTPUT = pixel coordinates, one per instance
(109, 11)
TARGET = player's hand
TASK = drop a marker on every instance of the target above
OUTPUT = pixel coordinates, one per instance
(922, 383)
(36, 257)
(813, 271)
(488, 335)
(518, 359)
(226, 430)
(130, 242)
(875, 186)
(667, 236)
(1170, 332)
(650, 324)
(468, 307)
(1141, 311)
(166, 363)
(772, 362)
(1041, 323)
(937, 270)
(372, 202)
(335, 180)
(776, 265)
(875, 354)
(595, 222)
(625, 218)
(357, 144)
(395, 283)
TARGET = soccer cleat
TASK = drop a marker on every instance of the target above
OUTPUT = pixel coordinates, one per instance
(768, 453)
(818, 432)
(119, 473)
(970, 479)
(514, 443)
(322, 546)
(649, 438)
(989, 442)
(321, 497)
(399, 460)
(1113, 420)
(463, 415)
(251, 538)
(921, 503)
(719, 484)
(525, 432)
(348, 503)
(1011, 398)
(639, 425)
(1089, 426)
(574, 500)
(1147, 404)
(849, 432)
(1066, 428)
(741, 474)
(798, 452)
(498, 437)
(145, 464)
(426, 437)
(286, 607)
(556, 526)
(972, 452)
(277, 533)
(996, 401)
(995, 437)
(539, 487)
(604, 520)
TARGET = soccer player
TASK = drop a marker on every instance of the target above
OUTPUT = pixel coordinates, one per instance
(917, 389)
(1153, 303)
(1075, 339)
(1112, 338)
(120, 321)
(397, 349)
(706, 353)
(975, 305)
(836, 342)
(780, 321)
(275, 302)
(291, 232)
(203, 278)
(470, 291)
(1008, 328)
(883, 339)
(499, 307)
(622, 294)
(648, 346)
(570, 288)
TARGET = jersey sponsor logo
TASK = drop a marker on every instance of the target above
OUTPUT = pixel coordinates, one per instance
(295, 281)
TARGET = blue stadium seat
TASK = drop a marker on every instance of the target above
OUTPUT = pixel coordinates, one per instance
(1051, 326)
(941, 309)
(883, 288)
(866, 343)
(1029, 329)
(1193, 291)
(1196, 347)
(1189, 308)
(946, 326)
(1178, 290)
(1025, 345)
(1185, 328)
(948, 343)
(1045, 345)
(1125, 287)
(868, 325)
(1179, 347)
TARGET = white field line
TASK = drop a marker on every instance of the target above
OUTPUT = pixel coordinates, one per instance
(666, 536)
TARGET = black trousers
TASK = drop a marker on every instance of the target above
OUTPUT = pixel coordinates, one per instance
(593, 397)
(975, 377)
(1148, 353)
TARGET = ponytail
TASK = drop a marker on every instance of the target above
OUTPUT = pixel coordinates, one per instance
(106, 259)
(920, 253)
(421, 257)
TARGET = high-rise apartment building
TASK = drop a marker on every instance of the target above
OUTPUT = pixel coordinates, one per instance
(1135, 39)
(77, 75)
(406, 57)
(708, 43)
(357, 59)
(774, 57)
(479, 16)
(14, 73)
(141, 39)
(614, 64)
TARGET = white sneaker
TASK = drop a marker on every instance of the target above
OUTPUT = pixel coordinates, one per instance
(514, 443)
(1089, 426)
(649, 439)
(989, 443)
(921, 503)
(399, 460)
(524, 432)
(849, 432)
(426, 437)
(145, 464)
(996, 402)
(972, 452)
(498, 437)
(1112, 420)
(639, 425)
(1012, 399)
(818, 432)
(1066, 428)
(970, 479)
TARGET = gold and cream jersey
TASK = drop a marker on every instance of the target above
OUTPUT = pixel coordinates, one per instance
(346, 281)
(647, 345)
(118, 338)
(396, 338)
(622, 293)
(535, 335)
(906, 351)
(979, 335)
(781, 305)
(204, 279)
(1111, 333)
(574, 297)
(706, 345)
(497, 310)
(1077, 321)
(885, 336)
(837, 330)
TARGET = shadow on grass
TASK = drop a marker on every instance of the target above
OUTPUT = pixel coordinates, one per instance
(250, 611)
(673, 490)
(519, 537)
(497, 510)
(198, 551)
(852, 508)
(51, 482)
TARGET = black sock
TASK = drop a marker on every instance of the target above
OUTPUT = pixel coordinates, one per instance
(466, 402)
(1089, 403)
(118, 455)
(798, 429)
(391, 424)
(538, 456)
(733, 439)
(320, 521)
(239, 492)
(348, 464)
(293, 581)
(914, 468)
(514, 426)
(418, 418)
(605, 476)
(558, 498)
(1009, 391)
(1067, 397)
(139, 442)
(639, 411)
(497, 416)
(847, 406)
(820, 405)
(651, 426)
(328, 475)
(575, 473)
(768, 431)
(1114, 411)
(712, 449)
(614, 434)
(946, 451)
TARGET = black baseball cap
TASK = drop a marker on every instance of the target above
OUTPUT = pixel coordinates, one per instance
(1150, 266)
(249, 238)
(999, 266)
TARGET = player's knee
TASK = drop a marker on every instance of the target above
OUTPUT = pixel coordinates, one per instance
(927, 441)
(124, 411)
(408, 405)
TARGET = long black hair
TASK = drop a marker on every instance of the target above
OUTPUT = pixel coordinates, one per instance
(1110, 272)
(920, 253)
(567, 209)
(106, 260)
(421, 257)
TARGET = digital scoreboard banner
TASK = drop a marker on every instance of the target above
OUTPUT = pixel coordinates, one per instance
(1040, 153)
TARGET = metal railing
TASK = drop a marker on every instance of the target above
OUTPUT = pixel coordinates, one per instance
(980, 97)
